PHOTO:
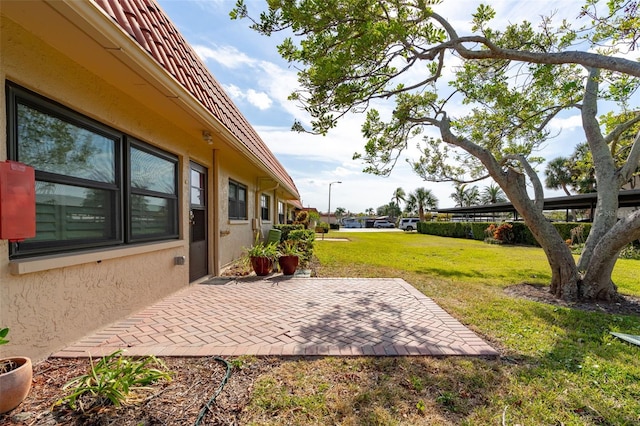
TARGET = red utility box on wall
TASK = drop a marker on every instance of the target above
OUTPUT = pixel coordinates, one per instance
(17, 201)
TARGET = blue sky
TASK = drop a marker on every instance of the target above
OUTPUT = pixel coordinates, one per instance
(248, 66)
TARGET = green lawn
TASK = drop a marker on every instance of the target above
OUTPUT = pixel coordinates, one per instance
(560, 366)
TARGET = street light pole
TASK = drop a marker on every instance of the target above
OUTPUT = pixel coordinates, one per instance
(329, 210)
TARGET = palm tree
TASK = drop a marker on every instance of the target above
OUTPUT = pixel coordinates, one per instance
(493, 194)
(339, 212)
(472, 196)
(392, 210)
(465, 197)
(421, 199)
(370, 211)
(459, 195)
(398, 195)
(411, 205)
(558, 173)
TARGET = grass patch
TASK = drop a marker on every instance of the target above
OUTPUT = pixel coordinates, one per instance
(559, 365)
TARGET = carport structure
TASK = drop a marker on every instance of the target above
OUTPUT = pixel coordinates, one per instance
(626, 198)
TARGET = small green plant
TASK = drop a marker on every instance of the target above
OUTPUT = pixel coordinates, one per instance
(5, 365)
(3, 335)
(260, 249)
(112, 381)
(448, 400)
(289, 248)
(416, 382)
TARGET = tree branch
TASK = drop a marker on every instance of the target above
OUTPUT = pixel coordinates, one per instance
(589, 112)
(632, 163)
(586, 59)
(533, 177)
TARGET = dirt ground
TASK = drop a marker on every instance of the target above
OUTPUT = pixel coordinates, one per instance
(627, 306)
(194, 383)
(177, 402)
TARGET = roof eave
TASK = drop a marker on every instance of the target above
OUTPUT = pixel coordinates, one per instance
(96, 23)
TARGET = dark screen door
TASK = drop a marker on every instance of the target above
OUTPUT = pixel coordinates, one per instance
(198, 265)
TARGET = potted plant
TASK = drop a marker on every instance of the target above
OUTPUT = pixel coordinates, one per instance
(288, 259)
(15, 378)
(322, 228)
(262, 257)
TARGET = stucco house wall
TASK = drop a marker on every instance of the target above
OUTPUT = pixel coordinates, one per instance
(49, 301)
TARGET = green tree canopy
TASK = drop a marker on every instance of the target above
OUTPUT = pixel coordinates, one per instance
(513, 81)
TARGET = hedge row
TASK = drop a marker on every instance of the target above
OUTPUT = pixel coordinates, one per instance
(476, 230)
(286, 229)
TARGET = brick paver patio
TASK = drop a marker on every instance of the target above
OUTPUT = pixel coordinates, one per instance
(289, 316)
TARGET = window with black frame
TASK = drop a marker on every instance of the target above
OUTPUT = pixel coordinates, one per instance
(281, 218)
(83, 170)
(153, 203)
(265, 202)
(237, 201)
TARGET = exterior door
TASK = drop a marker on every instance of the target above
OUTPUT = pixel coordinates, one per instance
(198, 243)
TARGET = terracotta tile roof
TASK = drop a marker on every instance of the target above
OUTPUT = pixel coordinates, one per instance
(148, 25)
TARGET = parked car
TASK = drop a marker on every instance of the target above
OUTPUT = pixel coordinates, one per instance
(351, 223)
(383, 224)
(409, 223)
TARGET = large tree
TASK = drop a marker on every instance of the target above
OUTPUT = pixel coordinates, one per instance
(421, 199)
(354, 53)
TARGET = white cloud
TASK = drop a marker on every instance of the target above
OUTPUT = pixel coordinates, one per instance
(226, 55)
(567, 123)
(279, 82)
(258, 99)
(234, 91)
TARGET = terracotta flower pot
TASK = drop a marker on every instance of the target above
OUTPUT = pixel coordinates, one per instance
(261, 265)
(288, 264)
(15, 385)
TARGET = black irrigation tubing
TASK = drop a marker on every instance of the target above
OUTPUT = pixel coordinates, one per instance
(207, 406)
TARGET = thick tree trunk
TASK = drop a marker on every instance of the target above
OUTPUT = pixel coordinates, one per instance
(603, 245)
(564, 273)
(565, 278)
(596, 282)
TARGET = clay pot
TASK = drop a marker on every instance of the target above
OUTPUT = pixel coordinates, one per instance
(261, 265)
(288, 264)
(15, 384)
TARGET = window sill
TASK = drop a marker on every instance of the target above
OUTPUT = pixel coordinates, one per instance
(45, 263)
(238, 221)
